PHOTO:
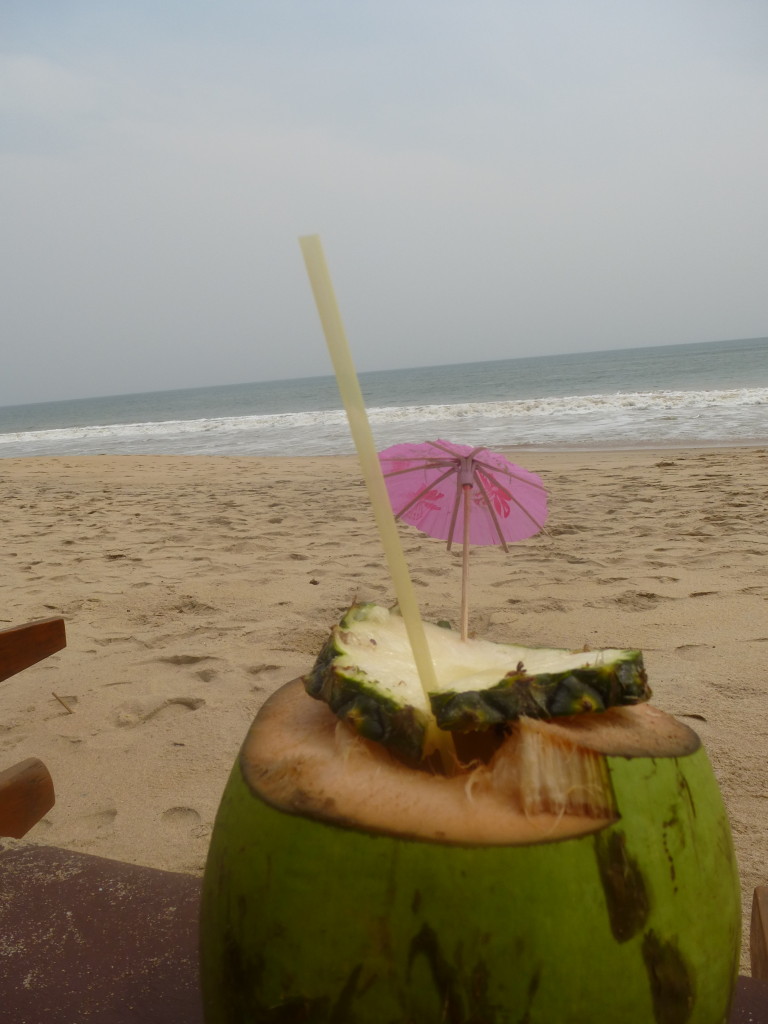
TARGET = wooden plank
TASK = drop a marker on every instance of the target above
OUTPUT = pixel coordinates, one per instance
(758, 939)
(26, 794)
(22, 646)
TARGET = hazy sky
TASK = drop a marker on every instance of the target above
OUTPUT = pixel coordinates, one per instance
(490, 179)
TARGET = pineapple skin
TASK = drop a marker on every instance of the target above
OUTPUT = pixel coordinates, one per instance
(306, 921)
(354, 697)
(546, 695)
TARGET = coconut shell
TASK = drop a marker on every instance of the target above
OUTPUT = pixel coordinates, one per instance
(316, 911)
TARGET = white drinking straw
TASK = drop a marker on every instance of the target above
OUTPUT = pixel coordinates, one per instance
(352, 397)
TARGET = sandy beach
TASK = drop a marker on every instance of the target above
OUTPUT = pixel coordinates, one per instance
(192, 587)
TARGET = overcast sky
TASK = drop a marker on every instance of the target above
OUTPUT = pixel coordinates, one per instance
(490, 179)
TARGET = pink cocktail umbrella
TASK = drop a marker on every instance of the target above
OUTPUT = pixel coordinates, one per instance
(457, 492)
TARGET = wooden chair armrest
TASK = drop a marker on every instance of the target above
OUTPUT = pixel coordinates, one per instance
(26, 794)
(22, 646)
(758, 938)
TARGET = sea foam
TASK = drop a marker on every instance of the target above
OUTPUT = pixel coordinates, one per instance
(623, 419)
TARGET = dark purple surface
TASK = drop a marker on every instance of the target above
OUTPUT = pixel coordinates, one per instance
(85, 939)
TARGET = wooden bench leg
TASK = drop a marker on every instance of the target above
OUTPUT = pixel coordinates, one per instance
(26, 794)
(22, 646)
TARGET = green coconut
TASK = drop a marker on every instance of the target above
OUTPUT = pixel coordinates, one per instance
(579, 870)
(367, 676)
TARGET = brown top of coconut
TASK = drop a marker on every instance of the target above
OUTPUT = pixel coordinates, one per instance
(546, 782)
(641, 730)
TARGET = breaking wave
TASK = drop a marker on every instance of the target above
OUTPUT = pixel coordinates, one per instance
(622, 420)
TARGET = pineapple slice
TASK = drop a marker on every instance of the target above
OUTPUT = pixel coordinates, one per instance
(367, 675)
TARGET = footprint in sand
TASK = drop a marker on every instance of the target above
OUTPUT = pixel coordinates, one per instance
(135, 712)
(546, 604)
(637, 601)
(184, 816)
(692, 652)
(101, 819)
(630, 600)
(106, 641)
(191, 604)
(184, 821)
(256, 670)
(266, 674)
(185, 659)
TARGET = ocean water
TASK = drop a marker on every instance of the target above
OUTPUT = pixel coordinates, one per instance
(708, 394)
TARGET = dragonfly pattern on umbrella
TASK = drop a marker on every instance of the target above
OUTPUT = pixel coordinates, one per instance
(498, 497)
(425, 502)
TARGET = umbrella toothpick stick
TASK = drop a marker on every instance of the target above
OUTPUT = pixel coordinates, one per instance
(465, 567)
(349, 387)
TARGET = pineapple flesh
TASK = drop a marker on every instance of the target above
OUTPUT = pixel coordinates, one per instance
(367, 676)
